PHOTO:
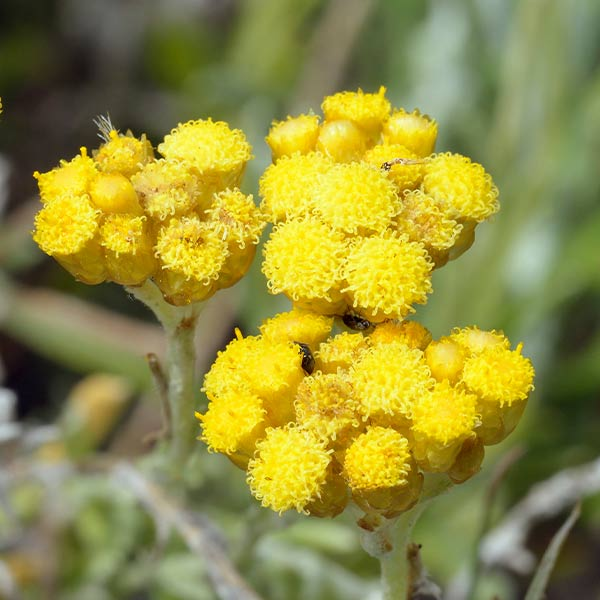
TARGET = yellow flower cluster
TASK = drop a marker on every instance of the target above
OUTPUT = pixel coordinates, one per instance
(317, 419)
(125, 215)
(358, 192)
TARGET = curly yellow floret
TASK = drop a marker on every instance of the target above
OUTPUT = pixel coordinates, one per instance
(423, 219)
(463, 186)
(378, 458)
(124, 154)
(69, 178)
(413, 130)
(303, 259)
(388, 378)
(212, 148)
(325, 405)
(368, 111)
(411, 333)
(236, 218)
(443, 415)
(233, 423)
(340, 352)
(498, 375)
(65, 224)
(356, 198)
(167, 188)
(289, 470)
(287, 187)
(191, 248)
(401, 165)
(385, 276)
(298, 325)
(295, 134)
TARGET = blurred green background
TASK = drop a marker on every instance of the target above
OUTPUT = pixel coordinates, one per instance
(514, 85)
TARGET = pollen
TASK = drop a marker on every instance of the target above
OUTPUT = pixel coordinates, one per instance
(298, 325)
(166, 189)
(499, 376)
(464, 186)
(303, 259)
(406, 174)
(356, 198)
(71, 177)
(379, 458)
(411, 333)
(288, 186)
(289, 470)
(212, 148)
(192, 249)
(325, 405)
(385, 276)
(124, 154)
(413, 130)
(295, 134)
(368, 111)
(65, 224)
(388, 379)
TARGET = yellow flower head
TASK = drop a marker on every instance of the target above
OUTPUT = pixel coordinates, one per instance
(167, 188)
(475, 340)
(411, 333)
(406, 174)
(342, 141)
(128, 245)
(379, 458)
(444, 414)
(233, 423)
(236, 218)
(289, 469)
(446, 359)
(113, 193)
(413, 130)
(340, 352)
(303, 259)
(287, 187)
(70, 178)
(124, 154)
(498, 375)
(463, 186)
(66, 224)
(191, 248)
(388, 378)
(267, 368)
(217, 153)
(297, 325)
(368, 111)
(425, 220)
(385, 276)
(325, 405)
(356, 198)
(295, 134)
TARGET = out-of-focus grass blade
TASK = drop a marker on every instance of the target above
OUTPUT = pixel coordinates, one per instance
(542, 575)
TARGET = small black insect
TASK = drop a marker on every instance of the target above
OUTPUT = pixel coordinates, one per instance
(355, 322)
(308, 360)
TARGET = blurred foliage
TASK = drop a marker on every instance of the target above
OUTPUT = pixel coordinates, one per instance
(516, 85)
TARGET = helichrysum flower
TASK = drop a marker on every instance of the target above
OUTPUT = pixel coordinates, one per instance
(340, 352)
(413, 130)
(298, 326)
(124, 216)
(289, 469)
(294, 135)
(411, 333)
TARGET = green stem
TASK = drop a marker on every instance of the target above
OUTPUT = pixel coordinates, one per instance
(179, 323)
